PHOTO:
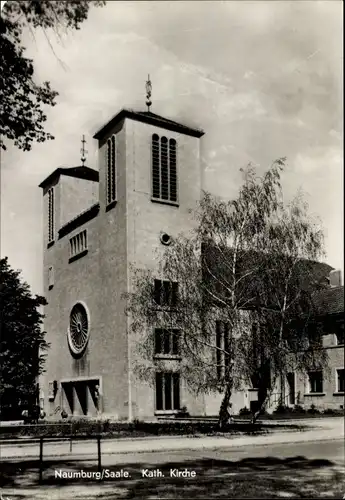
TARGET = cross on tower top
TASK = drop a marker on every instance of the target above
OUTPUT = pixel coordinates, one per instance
(83, 151)
(148, 93)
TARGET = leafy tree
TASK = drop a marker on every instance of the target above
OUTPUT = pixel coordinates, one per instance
(243, 277)
(22, 343)
(23, 100)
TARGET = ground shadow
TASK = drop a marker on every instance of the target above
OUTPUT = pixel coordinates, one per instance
(264, 477)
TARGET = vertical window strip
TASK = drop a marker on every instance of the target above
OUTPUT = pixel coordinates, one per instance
(108, 181)
(167, 341)
(113, 170)
(156, 177)
(167, 391)
(159, 391)
(51, 215)
(49, 212)
(175, 342)
(164, 169)
(50, 277)
(341, 380)
(78, 243)
(172, 171)
(176, 391)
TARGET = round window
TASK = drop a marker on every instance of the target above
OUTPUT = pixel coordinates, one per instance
(165, 239)
(79, 329)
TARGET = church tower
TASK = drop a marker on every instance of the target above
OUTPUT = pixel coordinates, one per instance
(149, 178)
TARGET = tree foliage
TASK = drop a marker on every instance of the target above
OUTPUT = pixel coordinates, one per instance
(23, 99)
(246, 271)
(22, 343)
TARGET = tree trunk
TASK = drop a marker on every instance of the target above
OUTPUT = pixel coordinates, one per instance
(224, 413)
(263, 397)
(262, 405)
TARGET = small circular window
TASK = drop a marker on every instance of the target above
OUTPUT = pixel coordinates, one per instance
(79, 329)
(165, 239)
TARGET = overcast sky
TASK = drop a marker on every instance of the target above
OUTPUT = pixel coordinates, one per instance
(263, 79)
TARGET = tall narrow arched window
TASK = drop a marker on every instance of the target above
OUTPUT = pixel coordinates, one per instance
(164, 169)
(111, 170)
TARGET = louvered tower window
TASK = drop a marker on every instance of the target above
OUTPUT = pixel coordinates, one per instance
(111, 170)
(164, 169)
(51, 215)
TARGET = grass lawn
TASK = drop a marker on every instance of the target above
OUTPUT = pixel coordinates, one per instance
(267, 477)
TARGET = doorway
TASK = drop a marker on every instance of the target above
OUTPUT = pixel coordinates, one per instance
(81, 397)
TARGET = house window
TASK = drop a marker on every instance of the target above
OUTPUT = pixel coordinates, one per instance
(339, 334)
(167, 391)
(165, 293)
(315, 337)
(164, 169)
(222, 347)
(51, 221)
(78, 244)
(50, 277)
(167, 342)
(315, 382)
(111, 171)
(341, 380)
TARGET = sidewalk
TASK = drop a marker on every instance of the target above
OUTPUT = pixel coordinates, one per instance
(329, 431)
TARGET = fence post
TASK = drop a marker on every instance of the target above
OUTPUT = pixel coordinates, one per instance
(70, 443)
(99, 453)
(41, 460)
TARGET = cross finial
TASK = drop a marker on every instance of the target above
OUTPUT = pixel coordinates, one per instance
(83, 151)
(148, 93)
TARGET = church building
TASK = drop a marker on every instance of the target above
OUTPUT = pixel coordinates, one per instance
(98, 224)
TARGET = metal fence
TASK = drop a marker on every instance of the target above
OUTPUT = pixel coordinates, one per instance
(43, 440)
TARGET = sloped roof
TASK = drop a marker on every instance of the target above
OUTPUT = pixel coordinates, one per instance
(151, 119)
(307, 276)
(329, 301)
(86, 173)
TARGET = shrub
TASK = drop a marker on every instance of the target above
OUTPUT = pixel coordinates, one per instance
(183, 412)
(244, 411)
(329, 411)
(298, 409)
(282, 409)
(313, 409)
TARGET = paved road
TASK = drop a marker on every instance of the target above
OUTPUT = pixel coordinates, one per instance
(332, 450)
(304, 469)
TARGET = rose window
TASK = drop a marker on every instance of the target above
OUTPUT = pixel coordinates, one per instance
(79, 329)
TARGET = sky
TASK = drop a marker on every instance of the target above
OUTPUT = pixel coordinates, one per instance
(262, 79)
